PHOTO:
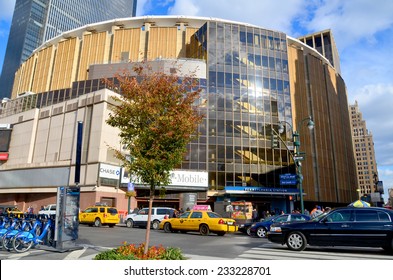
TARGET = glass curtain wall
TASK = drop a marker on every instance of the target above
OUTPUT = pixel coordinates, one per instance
(247, 95)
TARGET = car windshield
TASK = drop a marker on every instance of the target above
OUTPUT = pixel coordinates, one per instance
(268, 218)
(185, 215)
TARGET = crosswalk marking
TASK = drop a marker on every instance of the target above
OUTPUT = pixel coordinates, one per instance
(75, 255)
(282, 253)
(266, 251)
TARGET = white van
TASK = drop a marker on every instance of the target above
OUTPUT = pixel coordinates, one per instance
(49, 209)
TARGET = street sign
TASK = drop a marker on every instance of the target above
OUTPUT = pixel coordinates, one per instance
(298, 158)
(288, 179)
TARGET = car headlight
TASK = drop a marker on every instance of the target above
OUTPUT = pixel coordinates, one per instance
(275, 229)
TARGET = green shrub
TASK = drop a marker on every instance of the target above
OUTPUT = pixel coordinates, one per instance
(172, 254)
(133, 252)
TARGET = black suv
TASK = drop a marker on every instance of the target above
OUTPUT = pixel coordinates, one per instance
(357, 227)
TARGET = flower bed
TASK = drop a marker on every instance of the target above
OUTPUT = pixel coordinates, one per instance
(134, 252)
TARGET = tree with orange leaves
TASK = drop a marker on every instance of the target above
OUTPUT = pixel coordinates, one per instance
(157, 115)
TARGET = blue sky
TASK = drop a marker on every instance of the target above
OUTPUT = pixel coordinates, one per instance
(363, 32)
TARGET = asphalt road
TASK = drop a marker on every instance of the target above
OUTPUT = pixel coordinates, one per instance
(238, 246)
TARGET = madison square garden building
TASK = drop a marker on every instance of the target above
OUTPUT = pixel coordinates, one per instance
(251, 78)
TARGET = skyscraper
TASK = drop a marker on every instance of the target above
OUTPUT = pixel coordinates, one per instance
(36, 21)
(363, 146)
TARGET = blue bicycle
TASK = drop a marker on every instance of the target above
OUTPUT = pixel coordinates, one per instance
(24, 240)
(29, 224)
(15, 223)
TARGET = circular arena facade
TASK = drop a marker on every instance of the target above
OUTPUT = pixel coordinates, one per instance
(252, 80)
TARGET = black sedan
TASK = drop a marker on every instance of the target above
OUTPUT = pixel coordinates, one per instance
(357, 227)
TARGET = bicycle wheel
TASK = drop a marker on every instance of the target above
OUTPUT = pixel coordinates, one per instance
(7, 241)
(22, 243)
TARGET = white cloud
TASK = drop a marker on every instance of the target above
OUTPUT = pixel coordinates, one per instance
(352, 21)
(275, 15)
(153, 7)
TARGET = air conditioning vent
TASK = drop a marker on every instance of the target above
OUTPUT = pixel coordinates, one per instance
(44, 114)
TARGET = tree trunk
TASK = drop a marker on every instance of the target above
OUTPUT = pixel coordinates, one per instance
(147, 237)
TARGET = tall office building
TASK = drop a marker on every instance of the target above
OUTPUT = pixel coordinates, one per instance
(36, 21)
(363, 146)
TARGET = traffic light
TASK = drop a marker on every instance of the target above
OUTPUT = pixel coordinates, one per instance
(275, 141)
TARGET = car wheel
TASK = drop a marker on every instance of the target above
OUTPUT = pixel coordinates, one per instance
(261, 232)
(248, 231)
(130, 223)
(156, 224)
(167, 227)
(97, 222)
(204, 230)
(296, 241)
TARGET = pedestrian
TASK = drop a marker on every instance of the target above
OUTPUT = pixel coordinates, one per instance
(268, 214)
(316, 212)
(254, 215)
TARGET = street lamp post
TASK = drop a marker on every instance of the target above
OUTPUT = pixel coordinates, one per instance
(298, 155)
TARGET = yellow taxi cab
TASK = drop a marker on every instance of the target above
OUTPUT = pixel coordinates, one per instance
(99, 215)
(200, 220)
(10, 210)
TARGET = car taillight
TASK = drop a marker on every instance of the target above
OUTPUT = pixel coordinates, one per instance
(221, 221)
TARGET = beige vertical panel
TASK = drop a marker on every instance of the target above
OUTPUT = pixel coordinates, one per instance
(95, 47)
(331, 175)
(319, 180)
(17, 81)
(24, 79)
(43, 69)
(162, 43)
(65, 64)
(126, 40)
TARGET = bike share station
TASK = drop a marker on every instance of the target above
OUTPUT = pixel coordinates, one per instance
(67, 210)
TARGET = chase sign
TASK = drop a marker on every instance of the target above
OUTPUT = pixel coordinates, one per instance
(109, 171)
